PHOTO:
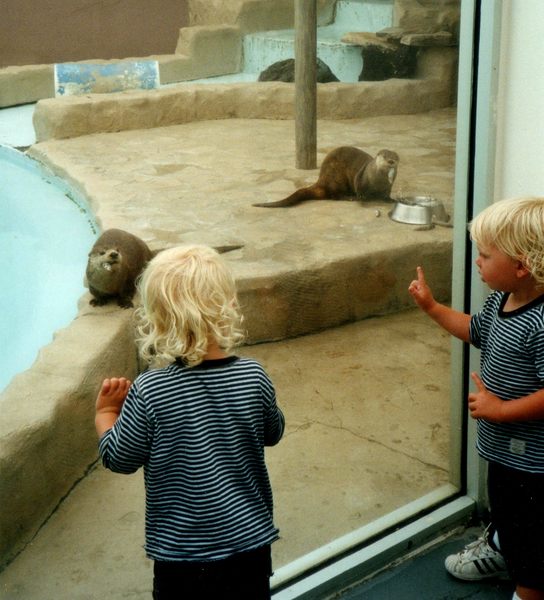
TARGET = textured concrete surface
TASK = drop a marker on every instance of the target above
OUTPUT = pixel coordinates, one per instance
(300, 270)
(367, 413)
(47, 440)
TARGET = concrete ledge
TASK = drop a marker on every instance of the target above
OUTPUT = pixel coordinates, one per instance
(344, 290)
(47, 440)
(203, 51)
(22, 85)
(74, 116)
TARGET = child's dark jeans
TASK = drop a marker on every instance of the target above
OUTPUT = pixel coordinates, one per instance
(516, 499)
(243, 576)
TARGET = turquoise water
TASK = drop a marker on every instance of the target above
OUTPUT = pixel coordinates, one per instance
(46, 232)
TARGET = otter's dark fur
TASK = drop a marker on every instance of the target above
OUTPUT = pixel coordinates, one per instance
(115, 261)
(348, 171)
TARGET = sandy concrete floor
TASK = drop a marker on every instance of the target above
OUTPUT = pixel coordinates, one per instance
(196, 183)
(367, 411)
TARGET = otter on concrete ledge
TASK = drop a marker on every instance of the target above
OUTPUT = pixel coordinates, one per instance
(348, 171)
(115, 261)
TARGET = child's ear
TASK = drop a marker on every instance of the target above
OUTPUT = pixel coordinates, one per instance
(522, 270)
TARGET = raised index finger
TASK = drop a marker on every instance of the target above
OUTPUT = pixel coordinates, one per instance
(420, 275)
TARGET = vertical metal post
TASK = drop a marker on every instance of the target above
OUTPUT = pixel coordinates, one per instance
(305, 83)
(484, 152)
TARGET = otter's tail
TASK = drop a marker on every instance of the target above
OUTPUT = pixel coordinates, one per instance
(313, 192)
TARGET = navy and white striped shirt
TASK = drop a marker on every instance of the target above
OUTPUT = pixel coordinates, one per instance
(199, 432)
(512, 366)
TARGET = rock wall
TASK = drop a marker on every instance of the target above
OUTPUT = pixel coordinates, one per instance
(253, 15)
(428, 16)
(46, 444)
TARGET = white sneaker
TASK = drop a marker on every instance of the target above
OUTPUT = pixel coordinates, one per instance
(477, 560)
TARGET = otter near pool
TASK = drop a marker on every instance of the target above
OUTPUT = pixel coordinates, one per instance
(348, 171)
(115, 261)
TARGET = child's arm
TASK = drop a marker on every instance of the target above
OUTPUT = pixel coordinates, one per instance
(485, 405)
(109, 403)
(453, 321)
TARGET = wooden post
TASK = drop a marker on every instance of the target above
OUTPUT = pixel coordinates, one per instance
(305, 83)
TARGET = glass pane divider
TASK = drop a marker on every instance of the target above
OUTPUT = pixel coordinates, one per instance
(362, 562)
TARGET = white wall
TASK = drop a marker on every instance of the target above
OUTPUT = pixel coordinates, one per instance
(520, 107)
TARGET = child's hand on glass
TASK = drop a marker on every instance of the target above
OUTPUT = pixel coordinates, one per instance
(112, 395)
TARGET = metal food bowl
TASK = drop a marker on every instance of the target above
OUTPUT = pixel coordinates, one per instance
(419, 210)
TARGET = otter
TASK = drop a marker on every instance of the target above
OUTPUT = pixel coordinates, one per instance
(348, 171)
(115, 261)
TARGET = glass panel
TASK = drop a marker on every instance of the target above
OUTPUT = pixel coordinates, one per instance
(372, 438)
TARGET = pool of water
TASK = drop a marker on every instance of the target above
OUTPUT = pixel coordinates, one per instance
(46, 231)
(16, 127)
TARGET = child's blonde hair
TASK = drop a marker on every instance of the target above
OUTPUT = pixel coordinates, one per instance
(188, 299)
(516, 228)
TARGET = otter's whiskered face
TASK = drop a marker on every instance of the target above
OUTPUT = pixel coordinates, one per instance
(388, 158)
(109, 257)
(388, 161)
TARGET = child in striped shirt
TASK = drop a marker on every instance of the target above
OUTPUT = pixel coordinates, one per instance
(508, 401)
(198, 426)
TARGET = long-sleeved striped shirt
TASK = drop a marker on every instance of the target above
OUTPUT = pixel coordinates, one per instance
(199, 432)
(512, 366)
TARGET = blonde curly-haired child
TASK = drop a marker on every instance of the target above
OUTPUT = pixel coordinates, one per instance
(198, 426)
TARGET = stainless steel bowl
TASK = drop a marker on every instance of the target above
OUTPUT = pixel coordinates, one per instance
(419, 210)
(413, 214)
(437, 208)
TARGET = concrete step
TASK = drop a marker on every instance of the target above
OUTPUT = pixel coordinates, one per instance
(363, 15)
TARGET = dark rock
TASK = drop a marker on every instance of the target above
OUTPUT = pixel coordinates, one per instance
(383, 56)
(380, 64)
(284, 70)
